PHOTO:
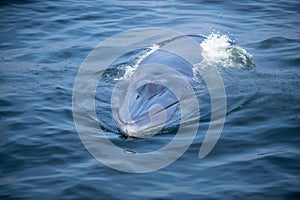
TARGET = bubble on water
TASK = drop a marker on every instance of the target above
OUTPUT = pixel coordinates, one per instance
(129, 152)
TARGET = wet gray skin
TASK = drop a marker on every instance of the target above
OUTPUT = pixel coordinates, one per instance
(151, 106)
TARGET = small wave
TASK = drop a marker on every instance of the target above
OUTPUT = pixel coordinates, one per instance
(275, 42)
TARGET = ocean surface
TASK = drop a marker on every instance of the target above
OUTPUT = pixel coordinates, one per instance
(44, 43)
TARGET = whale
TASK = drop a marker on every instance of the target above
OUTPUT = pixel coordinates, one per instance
(150, 103)
(158, 87)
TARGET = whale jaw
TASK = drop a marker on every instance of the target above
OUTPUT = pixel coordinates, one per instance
(146, 110)
(145, 125)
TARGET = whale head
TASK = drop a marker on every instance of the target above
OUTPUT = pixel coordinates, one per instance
(146, 110)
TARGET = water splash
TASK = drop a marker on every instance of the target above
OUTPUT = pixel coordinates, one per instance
(218, 50)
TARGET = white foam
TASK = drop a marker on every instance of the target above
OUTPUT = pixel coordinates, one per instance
(214, 48)
(218, 50)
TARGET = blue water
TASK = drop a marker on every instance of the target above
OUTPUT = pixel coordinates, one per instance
(43, 44)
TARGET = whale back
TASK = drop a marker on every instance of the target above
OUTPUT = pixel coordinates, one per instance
(171, 60)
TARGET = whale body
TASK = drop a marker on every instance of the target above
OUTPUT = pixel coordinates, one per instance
(151, 105)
